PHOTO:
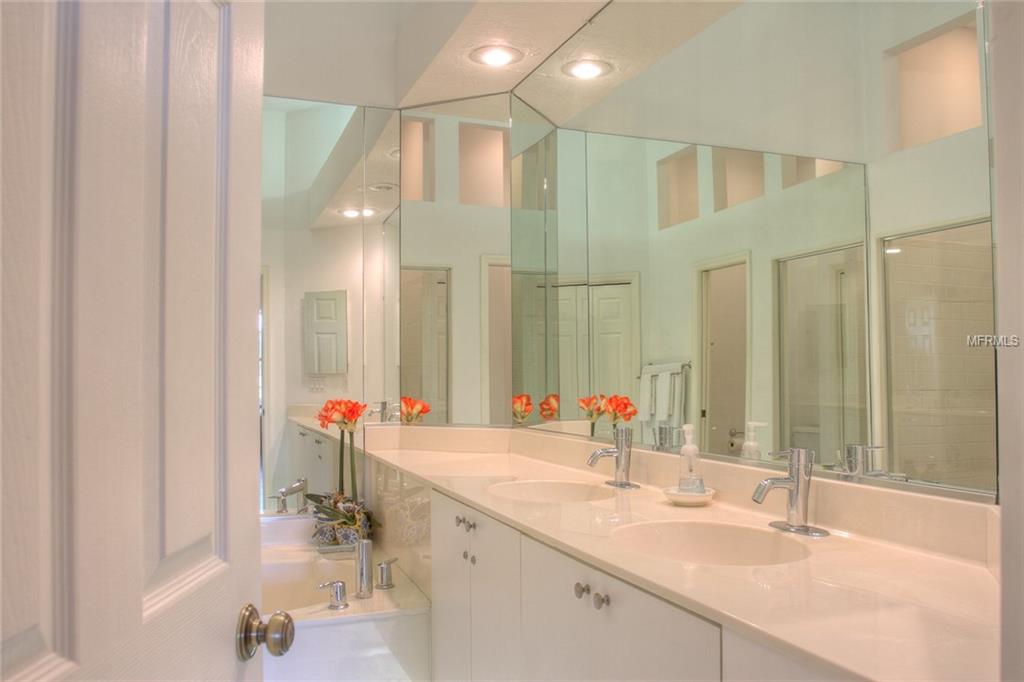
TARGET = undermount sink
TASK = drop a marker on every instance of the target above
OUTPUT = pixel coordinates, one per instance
(551, 491)
(709, 543)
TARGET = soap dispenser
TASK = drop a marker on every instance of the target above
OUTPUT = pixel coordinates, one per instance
(690, 480)
(751, 448)
(691, 491)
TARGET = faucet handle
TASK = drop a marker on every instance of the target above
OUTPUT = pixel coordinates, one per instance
(339, 598)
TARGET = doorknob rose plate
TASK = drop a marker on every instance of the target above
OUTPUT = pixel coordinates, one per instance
(277, 633)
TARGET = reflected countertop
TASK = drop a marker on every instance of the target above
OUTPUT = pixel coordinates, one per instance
(877, 610)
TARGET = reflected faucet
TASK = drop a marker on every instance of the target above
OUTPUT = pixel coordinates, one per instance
(622, 452)
(798, 483)
(386, 410)
(865, 461)
(299, 487)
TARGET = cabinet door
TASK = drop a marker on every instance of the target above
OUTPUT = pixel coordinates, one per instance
(450, 631)
(557, 627)
(322, 452)
(494, 599)
(744, 660)
(641, 637)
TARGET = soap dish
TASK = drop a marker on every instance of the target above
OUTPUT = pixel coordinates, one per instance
(686, 499)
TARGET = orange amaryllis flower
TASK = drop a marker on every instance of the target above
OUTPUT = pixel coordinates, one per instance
(413, 410)
(522, 407)
(620, 408)
(333, 412)
(591, 406)
(351, 415)
(549, 406)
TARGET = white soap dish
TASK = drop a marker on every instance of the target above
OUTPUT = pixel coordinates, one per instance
(687, 499)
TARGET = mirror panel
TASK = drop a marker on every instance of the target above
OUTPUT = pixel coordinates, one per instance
(455, 266)
(726, 192)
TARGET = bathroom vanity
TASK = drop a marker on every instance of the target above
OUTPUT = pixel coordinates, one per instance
(537, 570)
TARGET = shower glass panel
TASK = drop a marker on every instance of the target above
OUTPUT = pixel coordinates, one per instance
(425, 331)
(942, 396)
(822, 352)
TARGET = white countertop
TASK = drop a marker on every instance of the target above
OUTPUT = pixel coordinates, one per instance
(877, 610)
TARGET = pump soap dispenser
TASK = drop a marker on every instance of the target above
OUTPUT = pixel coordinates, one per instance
(691, 491)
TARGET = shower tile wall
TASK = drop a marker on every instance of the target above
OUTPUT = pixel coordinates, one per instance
(942, 405)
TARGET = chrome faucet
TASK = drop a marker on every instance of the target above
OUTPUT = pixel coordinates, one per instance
(798, 483)
(865, 461)
(299, 487)
(387, 411)
(622, 452)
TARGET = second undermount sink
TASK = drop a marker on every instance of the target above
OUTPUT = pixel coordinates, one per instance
(709, 543)
(551, 491)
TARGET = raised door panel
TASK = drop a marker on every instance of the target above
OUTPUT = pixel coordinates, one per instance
(557, 627)
(450, 630)
(640, 637)
(616, 342)
(494, 599)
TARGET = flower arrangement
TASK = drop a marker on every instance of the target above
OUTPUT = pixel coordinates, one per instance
(413, 410)
(549, 407)
(522, 408)
(341, 518)
(619, 408)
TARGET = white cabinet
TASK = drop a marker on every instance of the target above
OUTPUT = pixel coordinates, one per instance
(631, 636)
(744, 660)
(312, 456)
(475, 594)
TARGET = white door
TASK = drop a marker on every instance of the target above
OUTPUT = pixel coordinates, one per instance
(725, 356)
(494, 599)
(614, 319)
(325, 332)
(130, 278)
(573, 344)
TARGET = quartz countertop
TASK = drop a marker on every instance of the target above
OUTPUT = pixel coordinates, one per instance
(873, 609)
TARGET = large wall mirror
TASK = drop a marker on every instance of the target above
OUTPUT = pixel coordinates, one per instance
(330, 221)
(784, 252)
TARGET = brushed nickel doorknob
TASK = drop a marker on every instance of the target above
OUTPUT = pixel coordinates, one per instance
(277, 633)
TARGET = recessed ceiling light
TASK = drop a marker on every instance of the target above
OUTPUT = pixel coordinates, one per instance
(350, 213)
(891, 251)
(495, 55)
(586, 69)
(367, 212)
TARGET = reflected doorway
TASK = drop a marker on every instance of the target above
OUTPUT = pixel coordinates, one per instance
(724, 349)
(425, 333)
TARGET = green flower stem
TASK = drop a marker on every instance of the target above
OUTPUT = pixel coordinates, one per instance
(352, 462)
(341, 463)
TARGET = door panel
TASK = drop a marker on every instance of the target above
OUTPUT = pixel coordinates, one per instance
(494, 599)
(725, 353)
(616, 339)
(132, 415)
(450, 631)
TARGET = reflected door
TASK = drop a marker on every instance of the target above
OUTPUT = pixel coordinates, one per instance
(424, 353)
(725, 356)
(822, 353)
(615, 338)
(573, 340)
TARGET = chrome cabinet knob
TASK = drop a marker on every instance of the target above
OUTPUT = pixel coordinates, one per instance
(470, 525)
(601, 600)
(472, 559)
(579, 590)
(459, 520)
(465, 554)
(277, 633)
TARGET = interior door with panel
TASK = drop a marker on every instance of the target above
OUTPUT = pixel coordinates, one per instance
(131, 429)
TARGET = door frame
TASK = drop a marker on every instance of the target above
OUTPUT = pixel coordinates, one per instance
(699, 386)
(448, 336)
(487, 260)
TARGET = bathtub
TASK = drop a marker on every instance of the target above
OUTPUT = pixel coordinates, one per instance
(385, 637)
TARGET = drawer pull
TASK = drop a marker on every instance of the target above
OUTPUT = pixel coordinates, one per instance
(579, 590)
(470, 525)
(459, 520)
(601, 600)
